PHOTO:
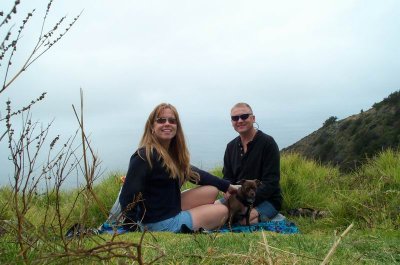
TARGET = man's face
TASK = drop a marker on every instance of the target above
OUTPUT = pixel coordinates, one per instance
(240, 122)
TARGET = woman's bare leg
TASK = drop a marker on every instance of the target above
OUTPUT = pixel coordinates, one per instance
(211, 216)
(200, 203)
(198, 196)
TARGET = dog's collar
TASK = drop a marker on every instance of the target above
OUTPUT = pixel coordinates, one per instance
(243, 200)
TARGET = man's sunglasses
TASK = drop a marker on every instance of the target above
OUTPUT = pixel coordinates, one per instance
(243, 117)
(164, 120)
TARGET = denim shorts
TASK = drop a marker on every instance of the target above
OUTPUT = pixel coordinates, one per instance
(266, 211)
(172, 224)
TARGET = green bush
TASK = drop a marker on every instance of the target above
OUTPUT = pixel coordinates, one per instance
(329, 121)
(305, 183)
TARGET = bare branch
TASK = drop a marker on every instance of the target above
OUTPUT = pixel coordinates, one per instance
(27, 107)
(9, 15)
(44, 43)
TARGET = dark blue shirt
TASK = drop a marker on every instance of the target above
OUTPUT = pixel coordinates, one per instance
(161, 195)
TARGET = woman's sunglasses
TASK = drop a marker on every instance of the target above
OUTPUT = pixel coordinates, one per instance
(164, 120)
(243, 117)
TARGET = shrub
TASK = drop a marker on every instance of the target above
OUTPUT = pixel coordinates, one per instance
(344, 125)
(329, 121)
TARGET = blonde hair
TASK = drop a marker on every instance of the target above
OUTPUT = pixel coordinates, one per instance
(176, 159)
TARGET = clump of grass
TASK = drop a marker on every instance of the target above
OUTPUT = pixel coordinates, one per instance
(371, 194)
(72, 204)
(5, 195)
(217, 172)
(305, 183)
(383, 170)
(107, 192)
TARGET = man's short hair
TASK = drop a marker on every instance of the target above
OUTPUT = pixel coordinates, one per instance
(242, 104)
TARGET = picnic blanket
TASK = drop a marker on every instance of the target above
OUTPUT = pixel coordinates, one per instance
(278, 224)
(281, 226)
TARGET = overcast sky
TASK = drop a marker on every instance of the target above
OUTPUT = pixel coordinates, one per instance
(295, 62)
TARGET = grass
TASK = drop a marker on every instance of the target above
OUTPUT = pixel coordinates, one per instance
(307, 184)
(368, 197)
(359, 247)
(285, 249)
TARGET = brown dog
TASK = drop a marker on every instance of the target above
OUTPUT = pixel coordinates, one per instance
(242, 201)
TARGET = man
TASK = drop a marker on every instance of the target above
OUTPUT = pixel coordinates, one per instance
(254, 155)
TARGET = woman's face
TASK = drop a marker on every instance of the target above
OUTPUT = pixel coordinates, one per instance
(165, 127)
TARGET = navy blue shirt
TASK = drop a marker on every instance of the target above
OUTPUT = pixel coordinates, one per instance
(161, 195)
(261, 161)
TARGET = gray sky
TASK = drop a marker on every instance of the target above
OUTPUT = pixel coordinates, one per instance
(295, 62)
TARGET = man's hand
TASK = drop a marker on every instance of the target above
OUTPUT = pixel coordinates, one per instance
(232, 189)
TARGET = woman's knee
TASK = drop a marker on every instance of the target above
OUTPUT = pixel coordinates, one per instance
(202, 195)
(210, 190)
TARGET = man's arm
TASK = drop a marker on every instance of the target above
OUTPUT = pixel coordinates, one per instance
(270, 172)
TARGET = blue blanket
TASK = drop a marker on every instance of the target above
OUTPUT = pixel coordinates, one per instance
(111, 229)
(283, 227)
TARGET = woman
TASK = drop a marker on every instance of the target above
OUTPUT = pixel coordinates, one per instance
(157, 170)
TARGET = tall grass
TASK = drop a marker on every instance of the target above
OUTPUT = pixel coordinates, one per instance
(371, 194)
(305, 183)
(44, 204)
(368, 197)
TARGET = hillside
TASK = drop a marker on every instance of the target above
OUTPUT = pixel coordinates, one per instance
(348, 142)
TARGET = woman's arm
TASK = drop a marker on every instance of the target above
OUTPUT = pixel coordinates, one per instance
(227, 170)
(134, 181)
(209, 179)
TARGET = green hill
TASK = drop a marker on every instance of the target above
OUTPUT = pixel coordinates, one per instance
(348, 142)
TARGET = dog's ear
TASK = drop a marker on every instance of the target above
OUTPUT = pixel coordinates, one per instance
(258, 182)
